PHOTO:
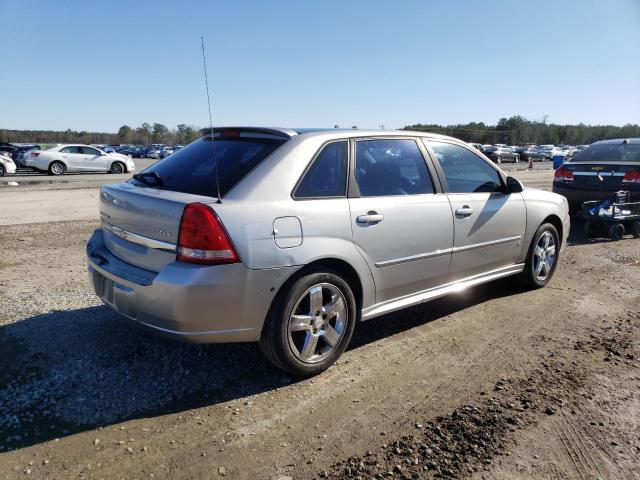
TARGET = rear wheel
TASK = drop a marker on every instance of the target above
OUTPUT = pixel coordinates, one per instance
(616, 231)
(499, 160)
(310, 324)
(635, 229)
(542, 257)
(517, 159)
(57, 168)
(2, 170)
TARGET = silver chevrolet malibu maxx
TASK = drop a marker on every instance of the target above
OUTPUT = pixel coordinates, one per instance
(290, 237)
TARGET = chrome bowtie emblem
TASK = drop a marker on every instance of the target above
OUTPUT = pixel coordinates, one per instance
(120, 233)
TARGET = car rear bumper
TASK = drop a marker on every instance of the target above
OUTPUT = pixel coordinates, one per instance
(576, 196)
(190, 303)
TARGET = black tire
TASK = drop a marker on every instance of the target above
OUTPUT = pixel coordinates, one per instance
(2, 170)
(616, 231)
(517, 159)
(117, 168)
(275, 340)
(57, 168)
(635, 229)
(587, 229)
(529, 276)
(499, 159)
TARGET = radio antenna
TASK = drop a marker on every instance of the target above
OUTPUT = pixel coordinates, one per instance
(213, 143)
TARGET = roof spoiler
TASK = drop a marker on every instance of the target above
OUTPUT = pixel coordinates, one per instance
(262, 132)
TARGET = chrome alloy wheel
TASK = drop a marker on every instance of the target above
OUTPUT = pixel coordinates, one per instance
(317, 323)
(544, 256)
(57, 168)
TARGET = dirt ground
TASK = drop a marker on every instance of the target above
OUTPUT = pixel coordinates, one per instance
(494, 382)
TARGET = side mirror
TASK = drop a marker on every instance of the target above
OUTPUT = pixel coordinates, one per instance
(513, 185)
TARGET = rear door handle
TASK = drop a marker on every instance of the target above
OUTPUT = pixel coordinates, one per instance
(371, 217)
(464, 211)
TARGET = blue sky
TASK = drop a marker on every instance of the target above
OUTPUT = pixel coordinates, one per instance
(96, 65)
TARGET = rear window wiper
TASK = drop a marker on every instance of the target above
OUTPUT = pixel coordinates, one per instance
(145, 176)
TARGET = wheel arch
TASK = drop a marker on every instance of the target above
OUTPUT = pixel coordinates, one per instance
(337, 265)
(554, 220)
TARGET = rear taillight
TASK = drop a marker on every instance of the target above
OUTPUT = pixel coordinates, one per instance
(631, 177)
(35, 154)
(563, 173)
(202, 238)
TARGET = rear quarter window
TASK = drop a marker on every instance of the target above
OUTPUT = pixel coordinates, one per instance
(192, 169)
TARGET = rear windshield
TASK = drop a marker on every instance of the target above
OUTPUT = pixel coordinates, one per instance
(192, 168)
(609, 152)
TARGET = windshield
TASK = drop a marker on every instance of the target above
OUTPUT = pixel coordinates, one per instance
(192, 168)
(609, 152)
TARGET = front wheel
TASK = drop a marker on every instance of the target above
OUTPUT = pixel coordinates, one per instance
(310, 324)
(2, 170)
(517, 159)
(499, 159)
(635, 229)
(542, 257)
(116, 168)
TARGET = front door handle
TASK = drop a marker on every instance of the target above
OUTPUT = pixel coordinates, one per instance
(465, 211)
(370, 217)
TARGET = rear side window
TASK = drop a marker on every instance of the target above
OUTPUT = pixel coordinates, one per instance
(327, 176)
(465, 171)
(192, 169)
(91, 151)
(391, 167)
(71, 150)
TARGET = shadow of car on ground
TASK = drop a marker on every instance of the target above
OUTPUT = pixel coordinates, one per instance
(69, 371)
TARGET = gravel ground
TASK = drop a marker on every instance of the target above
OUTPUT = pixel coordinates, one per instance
(496, 382)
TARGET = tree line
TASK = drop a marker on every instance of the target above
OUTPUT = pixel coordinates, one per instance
(145, 134)
(515, 130)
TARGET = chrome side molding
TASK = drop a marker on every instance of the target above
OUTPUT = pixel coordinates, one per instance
(432, 293)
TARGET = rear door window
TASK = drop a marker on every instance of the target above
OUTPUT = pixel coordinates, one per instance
(327, 176)
(90, 151)
(71, 150)
(192, 169)
(391, 167)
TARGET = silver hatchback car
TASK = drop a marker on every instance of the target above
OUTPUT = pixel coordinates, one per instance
(291, 237)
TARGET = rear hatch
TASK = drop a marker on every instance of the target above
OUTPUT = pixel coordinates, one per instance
(607, 177)
(141, 218)
(141, 225)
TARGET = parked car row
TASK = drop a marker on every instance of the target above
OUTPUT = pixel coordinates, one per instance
(500, 152)
(147, 151)
(19, 153)
(67, 158)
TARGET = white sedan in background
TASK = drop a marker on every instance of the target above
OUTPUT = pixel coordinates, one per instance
(78, 158)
